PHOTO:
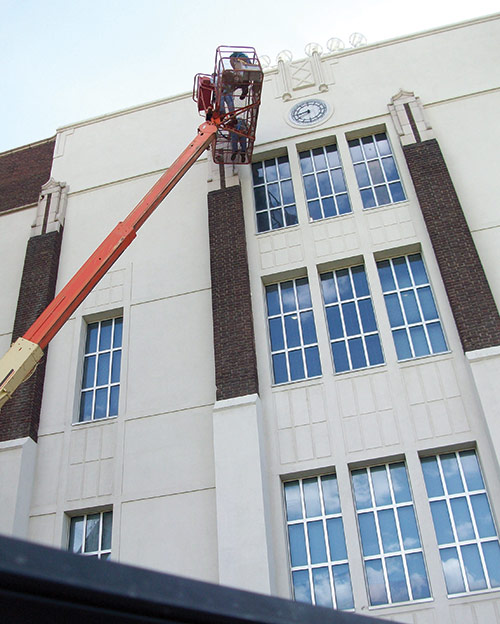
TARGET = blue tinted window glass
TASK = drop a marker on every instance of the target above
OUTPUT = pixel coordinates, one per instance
(308, 328)
(397, 192)
(340, 360)
(418, 269)
(293, 501)
(400, 484)
(263, 222)
(343, 203)
(317, 546)
(115, 368)
(319, 158)
(408, 524)
(382, 195)
(310, 186)
(296, 365)
(355, 149)
(442, 524)
(367, 315)
(291, 215)
(361, 485)
(287, 192)
(402, 344)
(452, 572)
(374, 348)
(284, 167)
(273, 195)
(344, 284)
(451, 473)
(105, 336)
(436, 336)
(350, 315)
(301, 587)
(418, 576)
(336, 539)
(330, 494)
(312, 362)
(362, 174)
(376, 584)
(333, 156)
(118, 332)
(338, 181)
(386, 276)
(89, 371)
(369, 147)
(328, 287)
(461, 515)
(471, 469)
(383, 144)
(271, 170)
(314, 210)
(397, 580)
(273, 300)
(473, 567)
(357, 353)
(360, 283)
(76, 534)
(303, 294)
(491, 552)
(343, 589)
(114, 396)
(322, 589)
(260, 198)
(292, 330)
(101, 403)
(390, 170)
(279, 368)
(86, 405)
(297, 539)
(92, 333)
(482, 515)
(329, 207)
(376, 172)
(311, 497)
(402, 273)
(276, 333)
(258, 173)
(325, 186)
(103, 369)
(419, 341)
(288, 297)
(381, 486)
(410, 306)
(368, 198)
(276, 219)
(368, 532)
(388, 531)
(427, 303)
(432, 477)
(305, 162)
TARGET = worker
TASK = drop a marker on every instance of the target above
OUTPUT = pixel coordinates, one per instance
(237, 140)
(240, 61)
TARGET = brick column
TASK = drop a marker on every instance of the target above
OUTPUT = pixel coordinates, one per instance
(234, 342)
(469, 293)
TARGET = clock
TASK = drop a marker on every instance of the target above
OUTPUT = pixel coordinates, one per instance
(308, 112)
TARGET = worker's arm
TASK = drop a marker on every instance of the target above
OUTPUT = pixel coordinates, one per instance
(21, 359)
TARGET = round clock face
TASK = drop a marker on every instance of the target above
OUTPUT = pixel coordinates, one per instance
(308, 112)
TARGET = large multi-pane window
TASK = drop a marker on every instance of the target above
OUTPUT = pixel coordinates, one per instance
(101, 370)
(351, 320)
(378, 178)
(413, 315)
(465, 530)
(324, 183)
(90, 534)
(318, 554)
(292, 331)
(392, 551)
(273, 191)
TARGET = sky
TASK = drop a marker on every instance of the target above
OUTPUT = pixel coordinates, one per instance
(64, 61)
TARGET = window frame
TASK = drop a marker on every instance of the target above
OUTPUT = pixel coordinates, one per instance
(103, 551)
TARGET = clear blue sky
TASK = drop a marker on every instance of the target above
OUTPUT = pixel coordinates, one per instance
(64, 61)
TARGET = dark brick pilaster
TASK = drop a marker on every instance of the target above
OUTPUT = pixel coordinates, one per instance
(20, 417)
(471, 300)
(234, 342)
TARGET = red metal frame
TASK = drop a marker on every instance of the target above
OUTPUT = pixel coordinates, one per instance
(69, 298)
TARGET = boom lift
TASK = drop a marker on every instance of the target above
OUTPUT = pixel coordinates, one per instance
(229, 124)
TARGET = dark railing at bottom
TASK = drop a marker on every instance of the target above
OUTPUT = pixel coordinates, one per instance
(40, 585)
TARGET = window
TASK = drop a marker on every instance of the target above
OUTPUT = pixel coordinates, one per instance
(351, 321)
(324, 182)
(101, 370)
(294, 344)
(318, 554)
(91, 534)
(413, 315)
(392, 552)
(465, 530)
(274, 197)
(378, 178)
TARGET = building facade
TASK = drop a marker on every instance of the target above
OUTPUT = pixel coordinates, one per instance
(287, 382)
